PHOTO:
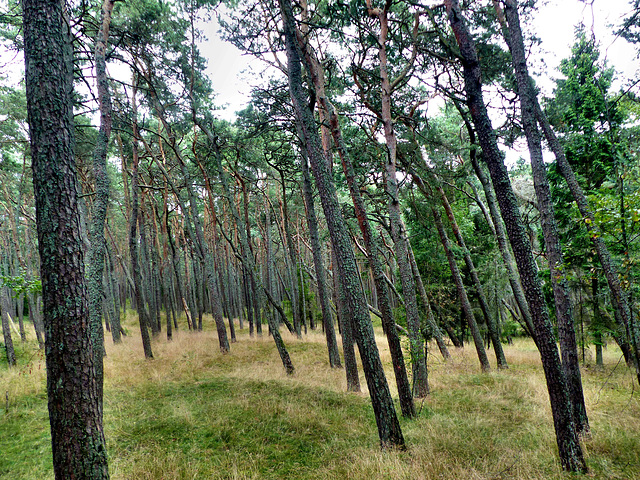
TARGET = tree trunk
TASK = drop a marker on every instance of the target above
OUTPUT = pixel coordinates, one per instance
(564, 314)
(462, 293)
(433, 328)
(498, 230)
(133, 234)
(273, 325)
(398, 229)
(571, 456)
(77, 436)
(388, 426)
(484, 306)
(112, 283)
(6, 329)
(346, 330)
(618, 296)
(321, 278)
(101, 198)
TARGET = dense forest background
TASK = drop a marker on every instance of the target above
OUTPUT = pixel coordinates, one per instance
(358, 215)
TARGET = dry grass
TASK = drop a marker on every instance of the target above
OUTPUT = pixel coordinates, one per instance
(194, 413)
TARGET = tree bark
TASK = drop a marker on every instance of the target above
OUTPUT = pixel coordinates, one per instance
(618, 296)
(6, 330)
(101, 198)
(389, 430)
(133, 233)
(77, 436)
(273, 325)
(564, 314)
(321, 277)
(571, 456)
(398, 229)
(498, 228)
(462, 292)
(484, 306)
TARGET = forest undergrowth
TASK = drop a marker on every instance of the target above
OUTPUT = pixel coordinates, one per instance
(193, 413)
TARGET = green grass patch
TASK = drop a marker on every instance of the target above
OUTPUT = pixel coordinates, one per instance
(193, 413)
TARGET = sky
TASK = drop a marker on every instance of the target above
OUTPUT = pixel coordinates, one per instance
(554, 24)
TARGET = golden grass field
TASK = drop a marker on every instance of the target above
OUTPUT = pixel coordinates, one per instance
(193, 413)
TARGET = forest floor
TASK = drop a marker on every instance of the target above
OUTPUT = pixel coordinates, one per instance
(193, 413)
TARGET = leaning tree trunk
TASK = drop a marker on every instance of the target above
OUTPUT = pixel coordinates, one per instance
(77, 437)
(133, 234)
(564, 315)
(484, 306)
(389, 430)
(462, 292)
(321, 277)
(571, 456)
(101, 198)
(273, 325)
(618, 297)
(433, 328)
(498, 228)
(398, 228)
(328, 112)
(346, 330)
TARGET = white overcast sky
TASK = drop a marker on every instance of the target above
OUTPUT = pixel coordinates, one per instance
(554, 24)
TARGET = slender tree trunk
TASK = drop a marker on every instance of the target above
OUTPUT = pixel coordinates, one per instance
(133, 234)
(371, 245)
(35, 319)
(101, 198)
(433, 328)
(273, 325)
(346, 330)
(398, 229)
(618, 296)
(6, 329)
(484, 306)
(571, 456)
(462, 292)
(111, 281)
(389, 430)
(498, 230)
(321, 278)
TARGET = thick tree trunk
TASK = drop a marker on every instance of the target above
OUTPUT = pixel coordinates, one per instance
(571, 456)
(77, 436)
(389, 430)
(564, 315)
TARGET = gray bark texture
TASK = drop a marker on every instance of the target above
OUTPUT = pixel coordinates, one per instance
(389, 430)
(570, 451)
(564, 314)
